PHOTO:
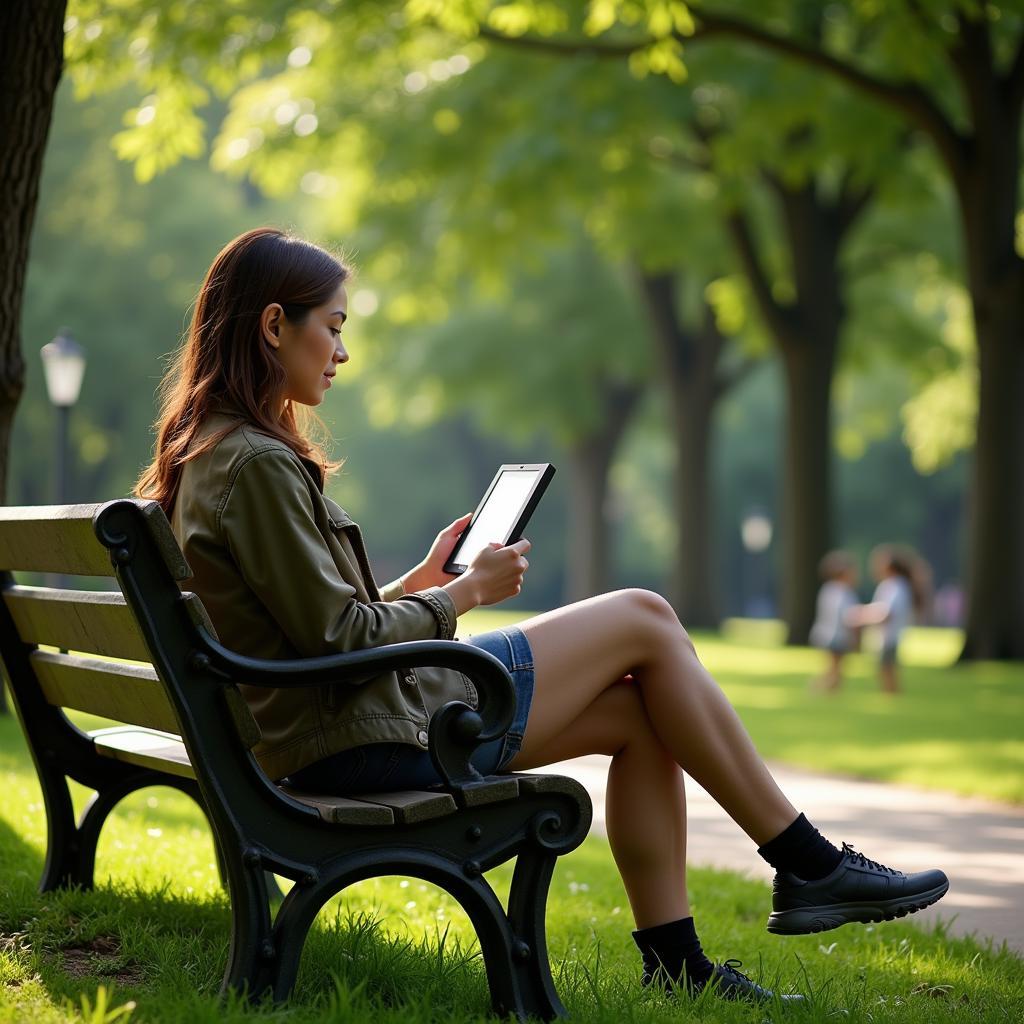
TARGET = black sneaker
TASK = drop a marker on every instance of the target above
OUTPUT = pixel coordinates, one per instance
(725, 981)
(858, 890)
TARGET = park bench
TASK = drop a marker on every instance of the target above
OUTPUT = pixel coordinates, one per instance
(146, 655)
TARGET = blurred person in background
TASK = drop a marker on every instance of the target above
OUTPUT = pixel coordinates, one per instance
(832, 631)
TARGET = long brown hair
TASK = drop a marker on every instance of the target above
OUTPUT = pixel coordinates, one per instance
(223, 362)
(915, 570)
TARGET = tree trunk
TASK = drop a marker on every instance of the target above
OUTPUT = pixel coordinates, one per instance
(995, 586)
(815, 229)
(589, 548)
(688, 361)
(806, 334)
(806, 523)
(31, 61)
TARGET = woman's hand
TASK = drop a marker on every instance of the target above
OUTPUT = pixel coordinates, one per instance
(494, 575)
(430, 572)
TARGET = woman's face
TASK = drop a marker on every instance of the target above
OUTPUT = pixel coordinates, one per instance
(308, 352)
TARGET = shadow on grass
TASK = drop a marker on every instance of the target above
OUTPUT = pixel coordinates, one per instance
(168, 954)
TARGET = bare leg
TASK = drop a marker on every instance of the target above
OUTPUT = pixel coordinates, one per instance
(583, 649)
(645, 809)
(835, 670)
(889, 677)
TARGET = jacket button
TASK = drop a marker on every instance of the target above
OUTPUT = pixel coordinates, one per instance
(421, 737)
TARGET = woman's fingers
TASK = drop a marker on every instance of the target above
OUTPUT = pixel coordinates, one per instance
(461, 523)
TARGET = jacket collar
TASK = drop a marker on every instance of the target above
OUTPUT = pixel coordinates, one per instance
(224, 407)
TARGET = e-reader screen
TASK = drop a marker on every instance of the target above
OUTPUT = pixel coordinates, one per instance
(503, 513)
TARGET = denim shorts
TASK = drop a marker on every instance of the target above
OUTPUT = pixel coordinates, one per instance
(382, 767)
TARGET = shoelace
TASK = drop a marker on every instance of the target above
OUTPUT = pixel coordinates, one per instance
(865, 862)
(732, 966)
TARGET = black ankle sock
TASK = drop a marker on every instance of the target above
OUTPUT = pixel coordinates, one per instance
(674, 949)
(803, 851)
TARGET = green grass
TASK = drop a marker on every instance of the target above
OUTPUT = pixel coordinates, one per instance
(151, 942)
(958, 728)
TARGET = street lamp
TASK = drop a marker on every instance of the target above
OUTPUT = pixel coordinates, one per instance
(756, 531)
(64, 367)
(756, 534)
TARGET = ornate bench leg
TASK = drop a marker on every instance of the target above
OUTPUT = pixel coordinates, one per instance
(71, 848)
(252, 958)
(527, 908)
(62, 867)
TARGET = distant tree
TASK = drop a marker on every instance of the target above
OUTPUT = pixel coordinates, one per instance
(955, 72)
(31, 59)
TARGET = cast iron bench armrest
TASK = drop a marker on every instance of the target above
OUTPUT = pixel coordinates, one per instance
(455, 731)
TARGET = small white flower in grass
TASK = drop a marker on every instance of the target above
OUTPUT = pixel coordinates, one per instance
(404, 883)
(829, 949)
(152, 801)
(410, 905)
(616, 910)
(154, 833)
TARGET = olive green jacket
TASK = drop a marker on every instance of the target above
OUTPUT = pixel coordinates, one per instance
(282, 572)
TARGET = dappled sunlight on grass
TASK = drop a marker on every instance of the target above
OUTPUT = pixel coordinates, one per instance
(398, 950)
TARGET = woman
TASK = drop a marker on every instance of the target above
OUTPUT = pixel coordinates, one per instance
(282, 572)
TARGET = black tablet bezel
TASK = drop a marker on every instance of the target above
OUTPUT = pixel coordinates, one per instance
(544, 470)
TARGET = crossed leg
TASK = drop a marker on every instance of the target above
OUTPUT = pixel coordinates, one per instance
(670, 715)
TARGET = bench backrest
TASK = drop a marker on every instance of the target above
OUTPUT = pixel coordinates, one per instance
(90, 627)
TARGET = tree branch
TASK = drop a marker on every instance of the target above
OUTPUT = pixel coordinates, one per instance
(565, 47)
(909, 99)
(852, 201)
(972, 60)
(776, 316)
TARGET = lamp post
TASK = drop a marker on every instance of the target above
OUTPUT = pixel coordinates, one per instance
(64, 367)
(756, 534)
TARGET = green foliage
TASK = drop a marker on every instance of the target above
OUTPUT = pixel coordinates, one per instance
(99, 1013)
(491, 197)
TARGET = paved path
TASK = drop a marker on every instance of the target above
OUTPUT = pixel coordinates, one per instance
(978, 843)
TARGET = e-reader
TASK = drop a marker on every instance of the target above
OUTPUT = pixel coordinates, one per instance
(503, 512)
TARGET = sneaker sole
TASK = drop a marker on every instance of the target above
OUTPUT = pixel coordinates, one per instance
(807, 920)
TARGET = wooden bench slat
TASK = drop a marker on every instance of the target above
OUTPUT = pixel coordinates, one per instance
(61, 539)
(126, 693)
(52, 538)
(340, 810)
(411, 806)
(495, 789)
(97, 622)
(147, 748)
